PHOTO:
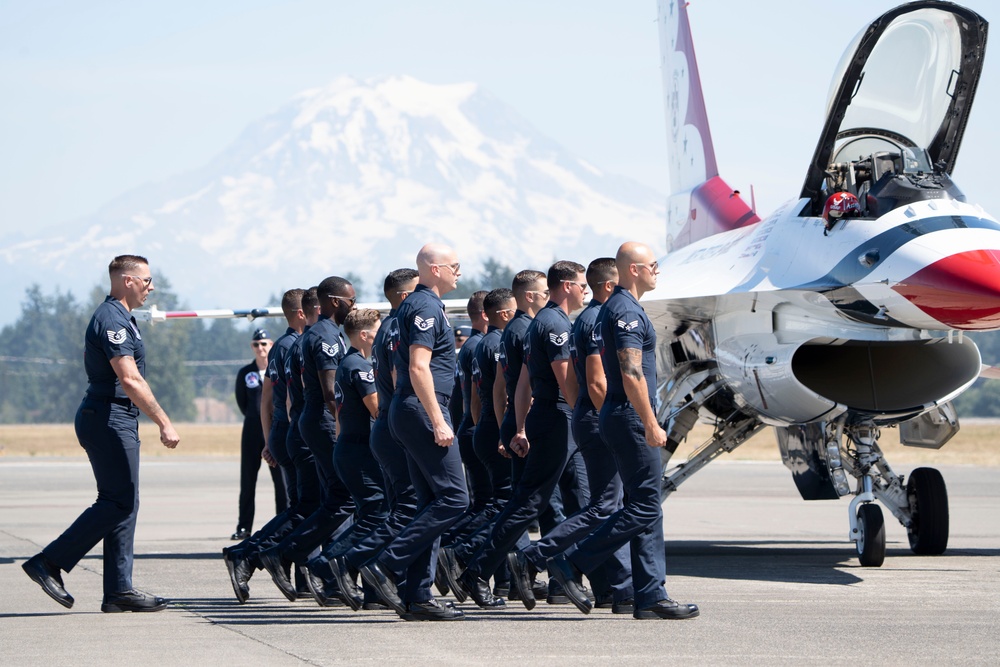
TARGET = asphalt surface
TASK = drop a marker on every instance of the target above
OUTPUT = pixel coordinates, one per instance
(776, 579)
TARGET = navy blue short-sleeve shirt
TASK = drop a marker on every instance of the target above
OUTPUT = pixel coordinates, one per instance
(322, 349)
(112, 332)
(623, 324)
(422, 321)
(354, 381)
(582, 345)
(512, 352)
(547, 341)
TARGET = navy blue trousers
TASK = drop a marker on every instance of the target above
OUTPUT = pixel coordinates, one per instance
(436, 473)
(605, 499)
(402, 499)
(109, 433)
(640, 521)
(336, 507)
(548, 432)
(277, 444)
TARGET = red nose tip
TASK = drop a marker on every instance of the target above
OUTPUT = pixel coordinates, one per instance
(961, 290)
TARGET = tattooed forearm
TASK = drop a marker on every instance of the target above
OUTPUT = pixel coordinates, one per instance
(631, 363)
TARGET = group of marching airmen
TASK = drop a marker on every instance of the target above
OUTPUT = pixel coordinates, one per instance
(409, 466)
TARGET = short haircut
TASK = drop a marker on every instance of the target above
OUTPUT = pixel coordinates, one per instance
(396, 280)
(495, 299)
(475, 306)
(524, 280)
(333, 286)
(563, 270)
(361, 320)
(291, 301)
(126, 263)
(310, 300)
(600, 271)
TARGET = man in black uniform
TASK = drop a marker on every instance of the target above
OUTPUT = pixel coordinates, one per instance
(300, 309)
(250, 380)
(385, 446)
(547, 385)
(602, 471)
(425, 373)
(477, 476)
(629, 427)
(108, 430)
(531, 295)
(357, 406)
(323, 346)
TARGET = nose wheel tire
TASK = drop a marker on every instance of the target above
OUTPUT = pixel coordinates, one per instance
(871, 542)
(928, 499)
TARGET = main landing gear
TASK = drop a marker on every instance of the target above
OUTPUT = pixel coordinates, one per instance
(921, 505)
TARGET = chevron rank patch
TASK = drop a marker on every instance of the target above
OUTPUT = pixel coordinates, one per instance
(117, 337)
(330, 350)
(559, 340)
(423, 324)
(628, 326)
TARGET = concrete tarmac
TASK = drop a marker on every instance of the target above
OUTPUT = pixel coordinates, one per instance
(777, 581)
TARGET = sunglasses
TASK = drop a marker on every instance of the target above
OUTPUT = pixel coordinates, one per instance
(259, 343)
(146, 282)
(351, 300)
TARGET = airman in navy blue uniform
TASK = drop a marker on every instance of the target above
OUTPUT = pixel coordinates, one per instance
(107, 427)
(602, 470)
(499, 306)
(425, 375)
(385, 446)
(250, 381)
(242, 559)
(323, 346)
(546, 391)
(629, 426)
(357, 406)
(477, 477)
(530, 294)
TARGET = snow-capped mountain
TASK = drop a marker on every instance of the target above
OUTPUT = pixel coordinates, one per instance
(355, 177)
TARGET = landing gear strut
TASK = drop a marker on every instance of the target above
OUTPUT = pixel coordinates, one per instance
(921, 505)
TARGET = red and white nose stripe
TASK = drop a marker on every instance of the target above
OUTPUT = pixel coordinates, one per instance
(962, 290)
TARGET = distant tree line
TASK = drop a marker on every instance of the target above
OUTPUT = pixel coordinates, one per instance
(41, 354)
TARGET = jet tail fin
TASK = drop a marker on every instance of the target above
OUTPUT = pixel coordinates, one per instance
(700, 203)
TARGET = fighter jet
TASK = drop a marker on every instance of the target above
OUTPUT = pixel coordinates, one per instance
(842, 313)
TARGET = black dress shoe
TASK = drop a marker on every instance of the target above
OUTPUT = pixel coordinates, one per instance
(562, 571)
(374, 606)
(240, 534)
(383, 584)
(348, 592)
(272, 562)
(626, 606)
(431, 610)
(501, 591)
(440, 579)
(480, 591)
(316, 585)
(133, 600)
(47, 575)
(453, 572)
(555, 593)
(604, 601)
(239, 575)
(668, 609)
(520, 577)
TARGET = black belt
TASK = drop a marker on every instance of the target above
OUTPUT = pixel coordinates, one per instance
(546, 402)
(443, 399)
(111, 399)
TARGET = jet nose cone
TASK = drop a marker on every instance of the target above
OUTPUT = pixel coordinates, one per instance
(961, 290)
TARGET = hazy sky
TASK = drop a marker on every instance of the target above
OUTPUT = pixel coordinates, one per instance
(100, 96)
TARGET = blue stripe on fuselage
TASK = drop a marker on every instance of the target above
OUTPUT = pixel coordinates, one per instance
(849, 271)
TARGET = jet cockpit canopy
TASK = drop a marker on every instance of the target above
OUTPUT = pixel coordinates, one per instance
(898, 107)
